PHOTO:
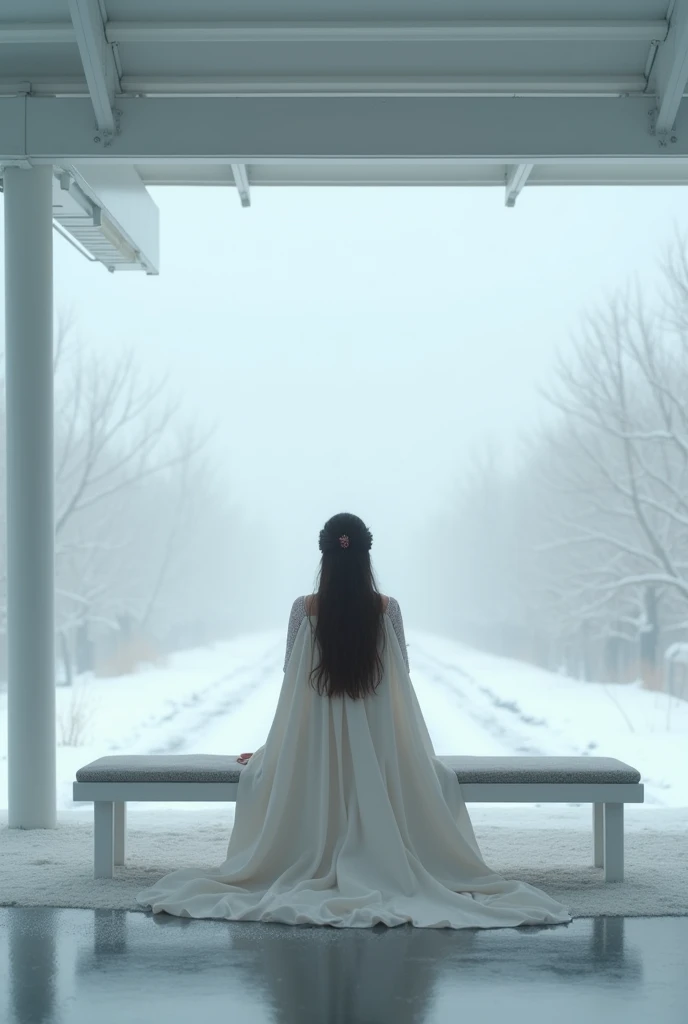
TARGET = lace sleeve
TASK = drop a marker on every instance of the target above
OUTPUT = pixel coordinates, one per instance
(394, 612)
(298, 614)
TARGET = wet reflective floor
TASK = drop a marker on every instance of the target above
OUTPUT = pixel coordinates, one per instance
(101, 967)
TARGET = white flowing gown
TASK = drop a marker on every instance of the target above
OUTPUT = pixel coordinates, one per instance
(346, 817)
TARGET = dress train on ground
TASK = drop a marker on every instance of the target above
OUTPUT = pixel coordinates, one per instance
(345, 817)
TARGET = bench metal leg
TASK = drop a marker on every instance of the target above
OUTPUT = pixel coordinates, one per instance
(598, 835)
(103, 839)
(613, 842)
(120, 832)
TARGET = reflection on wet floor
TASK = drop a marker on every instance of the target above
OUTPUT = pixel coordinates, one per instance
(59, 966)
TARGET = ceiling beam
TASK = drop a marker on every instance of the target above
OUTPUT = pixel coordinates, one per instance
(516, 178)
(241, 182)
(97, 59)
(242, 130)
(599, 30)
(670, 71)
(386, 32)
(321, 85)
(44, 85)
(415, 173)
(37, 33)
(387, 85)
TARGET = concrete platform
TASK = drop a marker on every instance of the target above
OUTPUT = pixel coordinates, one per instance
(79, 966)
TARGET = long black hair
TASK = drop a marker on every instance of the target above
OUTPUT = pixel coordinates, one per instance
(349, 620)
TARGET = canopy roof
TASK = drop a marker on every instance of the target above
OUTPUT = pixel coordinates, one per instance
(514, 93)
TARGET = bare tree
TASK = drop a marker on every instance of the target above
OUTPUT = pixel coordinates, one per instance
(589, 534)
(113, 430)
(623, 461)
(116, 434)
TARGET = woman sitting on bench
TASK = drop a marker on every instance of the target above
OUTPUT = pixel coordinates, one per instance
(345, 817)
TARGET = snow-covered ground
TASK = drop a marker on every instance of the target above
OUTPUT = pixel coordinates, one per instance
(221, 700)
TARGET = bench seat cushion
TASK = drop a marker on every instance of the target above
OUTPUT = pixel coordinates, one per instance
(224, 768)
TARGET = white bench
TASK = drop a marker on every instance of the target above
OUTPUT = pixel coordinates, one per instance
(604, 782)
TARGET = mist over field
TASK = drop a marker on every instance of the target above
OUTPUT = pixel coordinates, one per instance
(499, 394)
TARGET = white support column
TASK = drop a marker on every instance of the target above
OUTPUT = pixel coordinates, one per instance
(613, 842)
(103, 838)
(30, 518)
(120, 832)
(598, 835)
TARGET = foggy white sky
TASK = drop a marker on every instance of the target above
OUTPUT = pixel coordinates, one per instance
(356, 345)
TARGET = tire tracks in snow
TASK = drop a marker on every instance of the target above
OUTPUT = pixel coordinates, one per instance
(492, 718)
(492, 713)
(204, 705)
